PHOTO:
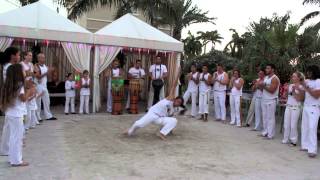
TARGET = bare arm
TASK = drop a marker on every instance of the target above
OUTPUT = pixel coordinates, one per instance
(225, 80)
(209, 81)
(314, 93)
(240, 84)
(273, 87)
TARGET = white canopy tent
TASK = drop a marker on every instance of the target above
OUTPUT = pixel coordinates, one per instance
(128, 31)
(38, 22)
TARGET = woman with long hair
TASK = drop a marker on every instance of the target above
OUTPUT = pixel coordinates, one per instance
(27, 64)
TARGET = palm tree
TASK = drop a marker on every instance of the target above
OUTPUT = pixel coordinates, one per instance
(192, 46)
(212, 37)
(235, 47)
(312, 14)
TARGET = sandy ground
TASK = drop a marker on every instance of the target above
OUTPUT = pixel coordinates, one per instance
(92, 147)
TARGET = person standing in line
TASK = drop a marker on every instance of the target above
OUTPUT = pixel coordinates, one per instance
(205, 80)
(235, 98)
(12, 101)
(41, 73)
(311, 112)
(258, 100)
(270, 94)
(293, 109)
(193, 86)
(70, 94)
(27, 65)
(220, 82)
(11, 56)
(32, 119)
(85, 92)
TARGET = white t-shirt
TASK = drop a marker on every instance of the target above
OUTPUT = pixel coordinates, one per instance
(217, 85)
(137, 73)
(70, 91)
(291, 99)
(163, 108)
(265, 94)
(203, 87)
(44, 79)
(19, 108)
(85, 91)
(27, 67)
(235, 91)
(158, 70)
(192, 86)
(116, 72)
(314, 85)
(5, 68)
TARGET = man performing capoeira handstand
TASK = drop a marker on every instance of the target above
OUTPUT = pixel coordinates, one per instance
(161, 114)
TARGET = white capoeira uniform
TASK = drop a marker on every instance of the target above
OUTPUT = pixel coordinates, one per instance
(4, 146)
(157, 114)
(193, 92)
(157, 72)
(269, 103)
(14, 116)
(220, 97)
(291, 117)
(204, 91)
(42, 88)
(32, 119)
(258, 109)
(114, 73)
(310, 118)
(70, 96)
(235, 104)
(84, 96)
(27, 67)
(136, 74)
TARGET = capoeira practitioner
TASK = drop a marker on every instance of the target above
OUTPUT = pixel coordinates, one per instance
(114, 72)
(136, 74)
(205, 80)
(293, 109)
(11, 56)
(258, 99)
(161, 114)
(270, 93)
(27, 65)
(157, 72)
(192, 90)
(220, 82)
(41, 73)
(235, 98)
(311, 112)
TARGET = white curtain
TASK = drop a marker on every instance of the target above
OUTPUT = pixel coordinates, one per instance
(104, 55)
(5, 42)
(78, 55)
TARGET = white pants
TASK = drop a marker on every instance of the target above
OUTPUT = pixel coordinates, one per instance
(5, 137)
(269, 117)
(109, 100)
(309, 127)
(193, 95)
(69, 102)
(32, 119)
(15, 142)
(46, 104)
(291, 118)
(235, 105)
(220, 105)
(151, 93)
(84, 101)
(167, 123)
(251, 111)
(204, 102)
(258, 114)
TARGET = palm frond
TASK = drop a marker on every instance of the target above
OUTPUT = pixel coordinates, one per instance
(309, 16)
(311, 2)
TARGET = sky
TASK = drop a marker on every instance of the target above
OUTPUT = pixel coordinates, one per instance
(236, 14)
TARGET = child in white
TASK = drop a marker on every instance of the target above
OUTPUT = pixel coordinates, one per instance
(311, 112)
(85, 93)
(70, 94)
(293, 110)
(192, 90)
(32, 119)
(235, 98)
(204, 90)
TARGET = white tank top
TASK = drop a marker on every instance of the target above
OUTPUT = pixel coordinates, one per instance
(314, 85)
(265, 94)
(235, 91)
(291, 99)
(85, 91)
(116, 72)
(258, 92)
(43, 70)
(192, 86)
(217, 85)
(163, 108)
(203, 87)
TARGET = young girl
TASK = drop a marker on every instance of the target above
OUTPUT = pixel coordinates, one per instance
(27, 65)
(293, 110)
(235, 98)
(70, 94)
(12, 101)
(32, 106)
(85, 92)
